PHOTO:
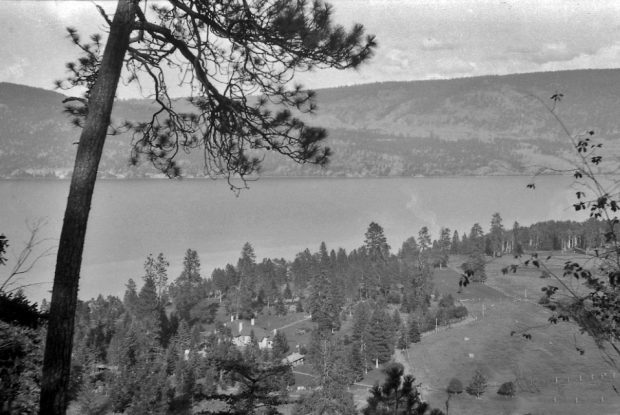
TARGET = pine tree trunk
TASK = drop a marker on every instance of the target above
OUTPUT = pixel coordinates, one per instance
(57, 359)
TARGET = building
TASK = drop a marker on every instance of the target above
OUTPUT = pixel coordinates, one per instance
(241, 334)
(294, 359)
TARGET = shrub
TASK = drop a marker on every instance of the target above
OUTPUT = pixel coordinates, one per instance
(455, 386)
(443, 315)
(393, 298)
(460, 312)
(446, 301)
(507, 389)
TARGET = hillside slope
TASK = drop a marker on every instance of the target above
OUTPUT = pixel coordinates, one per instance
(482, 125)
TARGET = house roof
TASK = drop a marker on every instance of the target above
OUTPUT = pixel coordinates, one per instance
(293, 357)
(247, 328)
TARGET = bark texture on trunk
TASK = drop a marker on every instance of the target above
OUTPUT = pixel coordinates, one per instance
(59, 343)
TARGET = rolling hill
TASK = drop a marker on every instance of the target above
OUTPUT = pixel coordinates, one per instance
(483, 125)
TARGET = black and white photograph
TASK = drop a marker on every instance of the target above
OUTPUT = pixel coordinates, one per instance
(310, 207)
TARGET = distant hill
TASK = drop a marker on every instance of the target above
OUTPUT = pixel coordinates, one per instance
(481, 125)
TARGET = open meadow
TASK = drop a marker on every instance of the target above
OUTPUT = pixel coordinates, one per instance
(551, 375)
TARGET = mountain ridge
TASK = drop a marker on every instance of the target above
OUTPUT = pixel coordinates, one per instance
(492, 124)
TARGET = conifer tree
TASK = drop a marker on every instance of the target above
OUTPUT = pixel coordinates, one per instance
(444, 245)
(376, 244)
(455, 245)
(413, 330)
(130, 299)
(280, 346)
(356, 361)
(157, 269)
(266, 42)
(152, 390)
(496, 235)
(246, 265)
(424, 239)
(478, 384)
(334, 371)
(280, 306)
(403, 339)
(323, 305)
(187, 289)
(288, 294)
(380, 336)
(517, 248)
(361, 318)
(397, 395)
(396, 320)
(147, 312)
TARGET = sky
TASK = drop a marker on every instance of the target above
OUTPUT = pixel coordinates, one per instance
(418, 39)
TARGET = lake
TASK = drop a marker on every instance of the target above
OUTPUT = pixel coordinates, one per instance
(280, 217)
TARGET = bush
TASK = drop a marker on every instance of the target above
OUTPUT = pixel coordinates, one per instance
(393, 298)
(204, 312)
(455, 386)
(446, 301)
(507, 389)
(460, 312)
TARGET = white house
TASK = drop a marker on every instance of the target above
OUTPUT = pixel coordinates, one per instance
(241, 334)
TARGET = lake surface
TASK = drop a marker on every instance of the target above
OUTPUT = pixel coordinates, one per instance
(280, 217)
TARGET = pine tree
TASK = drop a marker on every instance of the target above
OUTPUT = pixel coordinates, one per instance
(187, 289)
(380, 337)
(476, 239)
(413, 329)
(277, 39)
(157, 270)
(396, 320)
(409, 251)
(424, 239)
(246, 265)
(280, 346)
(148, 310)
(478, 384)
(280, 307)
(455, 245)
(152, 390)
(356, 362)
(361, 318)
(287, 292)
(403, 339)
(332, 396)
(517, 248)
(130, 299)
(496, 235)
(376, 243)
(444, 246)
(323, 257)
(397, 395)
(323, 305)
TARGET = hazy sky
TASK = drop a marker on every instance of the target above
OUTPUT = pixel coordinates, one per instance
(417, 39)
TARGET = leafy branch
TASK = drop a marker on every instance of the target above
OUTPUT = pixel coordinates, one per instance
(595, 305)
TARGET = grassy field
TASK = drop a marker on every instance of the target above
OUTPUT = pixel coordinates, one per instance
(553, 377)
